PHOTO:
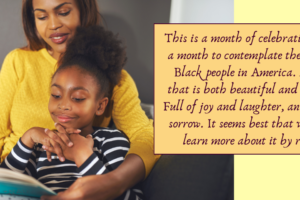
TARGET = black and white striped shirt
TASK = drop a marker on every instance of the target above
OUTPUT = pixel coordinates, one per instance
(110, 148)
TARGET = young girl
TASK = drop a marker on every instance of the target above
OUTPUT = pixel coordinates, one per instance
(80, 89)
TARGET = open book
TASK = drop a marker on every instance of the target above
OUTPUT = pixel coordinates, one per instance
(15, 183)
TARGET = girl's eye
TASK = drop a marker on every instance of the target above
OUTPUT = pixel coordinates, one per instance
(55, 96)
(65, 13)
(78, 99)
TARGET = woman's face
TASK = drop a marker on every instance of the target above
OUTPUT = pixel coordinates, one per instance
(56, 22)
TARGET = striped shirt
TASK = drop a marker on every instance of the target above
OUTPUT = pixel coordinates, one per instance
(110, 148)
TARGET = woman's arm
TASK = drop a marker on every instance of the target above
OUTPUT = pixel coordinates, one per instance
(112, 172)
(129, 117)
(8, 87)
(107, 186)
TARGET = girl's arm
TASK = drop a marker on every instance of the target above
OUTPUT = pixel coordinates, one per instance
(111, 146)
(21, 159)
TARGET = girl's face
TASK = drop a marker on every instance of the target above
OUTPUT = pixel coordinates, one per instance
(74, 101)
(56, 22)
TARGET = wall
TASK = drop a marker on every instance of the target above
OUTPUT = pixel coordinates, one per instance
(11, 30)
(202, 11)
(133, 20)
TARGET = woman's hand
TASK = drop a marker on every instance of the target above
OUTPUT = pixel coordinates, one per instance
(100, 187)
(59, 139)
(108, 186)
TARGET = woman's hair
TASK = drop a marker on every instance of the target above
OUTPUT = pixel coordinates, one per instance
(89, 16)
(97, 52)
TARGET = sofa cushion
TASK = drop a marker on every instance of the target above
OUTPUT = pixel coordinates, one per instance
(177, 177)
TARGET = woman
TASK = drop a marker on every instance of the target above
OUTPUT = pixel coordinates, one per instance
(24, 85)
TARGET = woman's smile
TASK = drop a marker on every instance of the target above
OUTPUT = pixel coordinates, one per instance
(59, 38)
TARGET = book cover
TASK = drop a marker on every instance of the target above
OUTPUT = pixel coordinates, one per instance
(14, 183)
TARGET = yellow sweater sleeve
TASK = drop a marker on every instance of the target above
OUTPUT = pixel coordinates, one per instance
(25, 79)
(8, 87)
(129, 117)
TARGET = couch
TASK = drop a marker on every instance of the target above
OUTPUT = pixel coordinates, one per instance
(190, 177)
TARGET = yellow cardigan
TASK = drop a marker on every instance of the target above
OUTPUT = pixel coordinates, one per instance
(25, 91)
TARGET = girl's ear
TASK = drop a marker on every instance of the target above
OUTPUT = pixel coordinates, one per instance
(102, 103)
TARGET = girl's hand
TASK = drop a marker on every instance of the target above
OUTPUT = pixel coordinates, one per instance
(34, 135)
(81, 150)
(60, 138)
(37, 135)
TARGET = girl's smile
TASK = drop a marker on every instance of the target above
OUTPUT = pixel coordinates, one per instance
(62, 118)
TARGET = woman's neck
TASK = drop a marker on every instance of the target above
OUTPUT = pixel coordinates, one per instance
(54, 54)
